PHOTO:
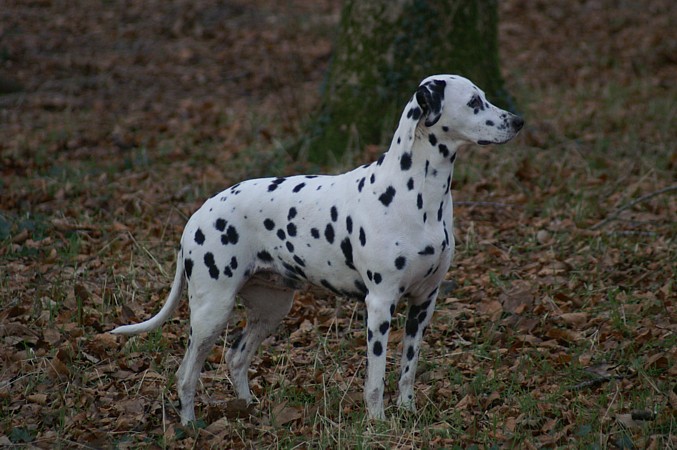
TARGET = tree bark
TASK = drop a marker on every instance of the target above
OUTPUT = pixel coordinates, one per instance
(384, 49)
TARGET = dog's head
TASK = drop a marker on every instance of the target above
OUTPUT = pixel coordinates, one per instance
(458, 111)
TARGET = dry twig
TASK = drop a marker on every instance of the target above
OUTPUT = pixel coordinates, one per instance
(643, 198)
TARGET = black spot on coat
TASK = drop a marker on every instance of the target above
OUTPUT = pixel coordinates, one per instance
(363, 237)
(387, 197)
(188, 267)
(329, 233)
(264, 256)
(211, 265)
(347, 249)
(269, 224)
(199, 237)
(405, 161)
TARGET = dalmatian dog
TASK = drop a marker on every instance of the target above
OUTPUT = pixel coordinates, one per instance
(381, 232)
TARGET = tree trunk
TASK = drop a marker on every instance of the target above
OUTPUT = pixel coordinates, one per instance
(384, 49)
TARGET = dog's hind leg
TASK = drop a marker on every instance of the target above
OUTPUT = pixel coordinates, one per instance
(266, 306)
(209, 311)
(418, 318)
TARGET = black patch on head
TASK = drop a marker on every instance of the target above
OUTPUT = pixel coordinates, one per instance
(378, 348)
(314, 232)
(269, 224)
(199, 237)
(291, 229)
(429, 250)
(363, 237)
(430, 96)
(410, 184)
(419, 201)
(329, 233)
(264, 256)
(275, 183)
(292, 213)
(384, 327)
(281, 234)
(400, 262)
(347, 249)
(349, 224)
(334, 214)
(220, 224)
(211, 265)
(387, 196)
(405, 161)
(444, 150)
(360, 185)
(188, 267)
(298, 187)
(476, 104)
(377, 278)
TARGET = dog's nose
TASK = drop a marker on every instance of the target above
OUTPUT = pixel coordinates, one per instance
(517, 123)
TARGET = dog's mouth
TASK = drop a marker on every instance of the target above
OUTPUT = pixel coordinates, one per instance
(483, 142)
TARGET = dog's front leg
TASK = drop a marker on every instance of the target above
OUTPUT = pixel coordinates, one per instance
(418, 318)
(378, 327)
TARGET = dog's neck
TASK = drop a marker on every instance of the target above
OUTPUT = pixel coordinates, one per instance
(417, 158)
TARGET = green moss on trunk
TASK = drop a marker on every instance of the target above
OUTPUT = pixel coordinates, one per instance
(385, 48)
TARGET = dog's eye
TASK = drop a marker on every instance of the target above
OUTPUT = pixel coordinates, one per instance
(476, 102)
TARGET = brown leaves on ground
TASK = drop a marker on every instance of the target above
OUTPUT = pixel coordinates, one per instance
(558, 334)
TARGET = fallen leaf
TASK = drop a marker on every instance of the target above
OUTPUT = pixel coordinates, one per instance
(283, 414)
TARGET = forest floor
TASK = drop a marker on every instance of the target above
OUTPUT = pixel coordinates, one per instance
(561, 332)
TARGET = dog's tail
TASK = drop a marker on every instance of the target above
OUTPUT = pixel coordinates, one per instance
(167, 309)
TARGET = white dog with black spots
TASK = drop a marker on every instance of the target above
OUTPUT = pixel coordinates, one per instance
(381, 232)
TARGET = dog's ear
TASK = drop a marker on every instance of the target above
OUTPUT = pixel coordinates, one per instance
(430, 97)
